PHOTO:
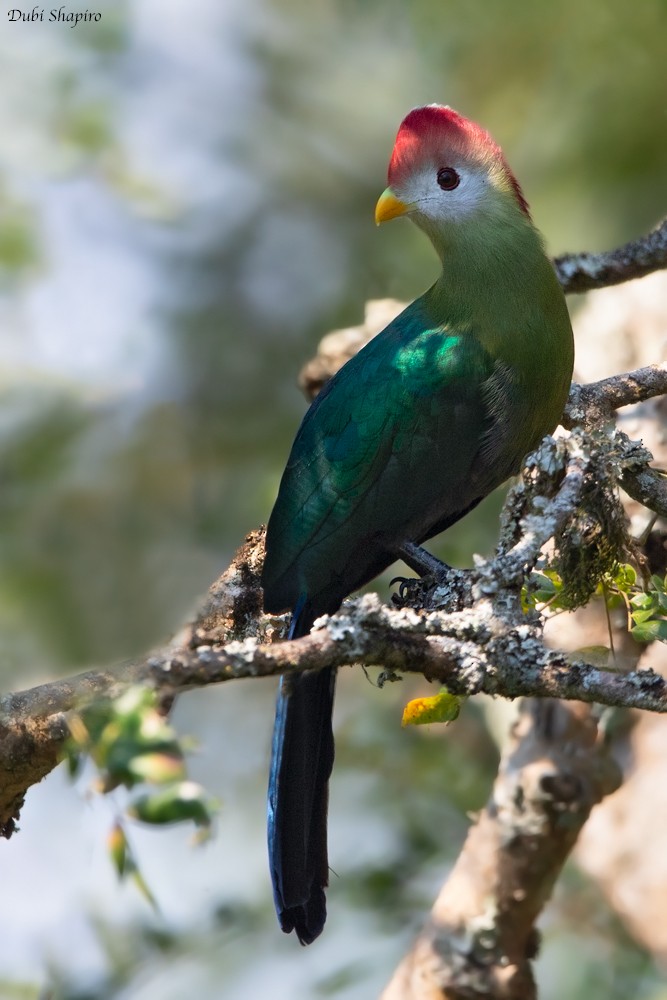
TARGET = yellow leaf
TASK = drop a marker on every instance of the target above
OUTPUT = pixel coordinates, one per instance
(117, 847)
(441, 707)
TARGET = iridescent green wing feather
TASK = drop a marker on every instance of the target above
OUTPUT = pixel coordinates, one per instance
(386, 451)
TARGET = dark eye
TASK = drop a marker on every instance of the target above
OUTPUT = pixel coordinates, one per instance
(448, 179)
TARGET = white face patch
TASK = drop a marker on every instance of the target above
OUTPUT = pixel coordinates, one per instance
(424, 194)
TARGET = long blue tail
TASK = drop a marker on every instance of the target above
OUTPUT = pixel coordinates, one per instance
(301, 762)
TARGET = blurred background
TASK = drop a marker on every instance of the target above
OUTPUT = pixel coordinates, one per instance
(186, 207)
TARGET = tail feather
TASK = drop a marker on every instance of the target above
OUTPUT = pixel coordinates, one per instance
(302, 759)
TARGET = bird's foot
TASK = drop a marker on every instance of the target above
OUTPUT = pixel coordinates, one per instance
(432, 573)
(438, 586)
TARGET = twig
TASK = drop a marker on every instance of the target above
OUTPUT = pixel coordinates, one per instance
(581, 272)
(590, 405)
(596, 404)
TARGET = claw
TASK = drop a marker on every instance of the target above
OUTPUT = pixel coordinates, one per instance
(404, 583)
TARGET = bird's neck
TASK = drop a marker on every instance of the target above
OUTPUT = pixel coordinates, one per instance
(491, 273)
(496, 246)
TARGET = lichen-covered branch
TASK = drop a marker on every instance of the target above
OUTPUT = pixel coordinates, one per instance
(472, 651)
(591, 405)
(648, 487)
(581, 272)
(596, 404)
(480, 938)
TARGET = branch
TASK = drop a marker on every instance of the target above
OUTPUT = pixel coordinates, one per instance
(480, 938)
(494, 660)
(471, 651)
(487, 645)
(593, 404)
(581, 272)
(596, 404)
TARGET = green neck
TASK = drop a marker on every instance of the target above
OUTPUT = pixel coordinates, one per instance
(498, 286)
(498, 282)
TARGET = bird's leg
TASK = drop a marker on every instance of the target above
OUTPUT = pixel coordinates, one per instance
(450, 588)
(422, 562)
(432, 573)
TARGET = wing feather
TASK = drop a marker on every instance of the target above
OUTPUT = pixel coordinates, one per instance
(386, 451)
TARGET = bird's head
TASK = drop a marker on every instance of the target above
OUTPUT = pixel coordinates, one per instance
(446, 169)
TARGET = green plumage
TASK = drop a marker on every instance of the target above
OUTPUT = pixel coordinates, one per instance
(433, 414)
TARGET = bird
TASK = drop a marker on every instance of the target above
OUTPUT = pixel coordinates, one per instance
(427, 419)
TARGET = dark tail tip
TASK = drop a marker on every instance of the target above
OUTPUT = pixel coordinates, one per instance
(308, 920)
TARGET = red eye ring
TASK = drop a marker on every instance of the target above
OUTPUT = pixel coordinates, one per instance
(448, 178)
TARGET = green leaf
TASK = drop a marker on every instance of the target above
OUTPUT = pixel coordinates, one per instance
(540, 588)
(73, 760)
(625, 577)
(614, 601)
(639, 617)
(129, 741)
(157, 768)
(650, 630)
(641, 601)
(544, 584)
(183, 801)
(143, 887)
(125, 863)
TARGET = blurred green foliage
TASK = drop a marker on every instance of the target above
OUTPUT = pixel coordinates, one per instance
(18, 245)
(234, 157)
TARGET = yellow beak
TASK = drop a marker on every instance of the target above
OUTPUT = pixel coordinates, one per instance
(389, 207)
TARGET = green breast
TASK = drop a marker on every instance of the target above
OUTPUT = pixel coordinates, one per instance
(428, 418)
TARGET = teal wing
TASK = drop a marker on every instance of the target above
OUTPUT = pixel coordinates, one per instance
(386, 452)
